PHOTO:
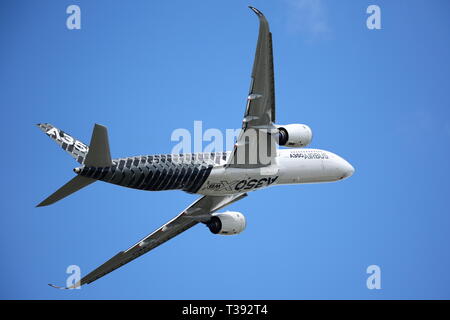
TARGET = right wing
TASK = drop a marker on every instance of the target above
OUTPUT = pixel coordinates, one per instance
(256, 144)
(199, 211)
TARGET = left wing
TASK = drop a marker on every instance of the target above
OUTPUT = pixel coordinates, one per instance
(199, 211)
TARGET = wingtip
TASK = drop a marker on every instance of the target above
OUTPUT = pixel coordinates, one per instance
(57, 287)
(64, 288)
(258, 13)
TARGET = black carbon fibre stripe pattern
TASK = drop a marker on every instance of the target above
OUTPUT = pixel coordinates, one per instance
(157, 172)
(74, 147)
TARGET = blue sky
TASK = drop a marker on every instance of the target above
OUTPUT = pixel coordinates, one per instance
(379, 98)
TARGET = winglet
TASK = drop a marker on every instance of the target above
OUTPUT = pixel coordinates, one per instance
(62, 288)
(258, 13)
(56, 287)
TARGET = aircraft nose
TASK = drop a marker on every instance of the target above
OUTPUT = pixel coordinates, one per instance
(347, 169)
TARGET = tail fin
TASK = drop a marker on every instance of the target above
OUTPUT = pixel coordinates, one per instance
(74, 147)
(70, 187)
(97, 155)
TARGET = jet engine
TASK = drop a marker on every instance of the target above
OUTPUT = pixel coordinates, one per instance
(227, 223)
(294, 135)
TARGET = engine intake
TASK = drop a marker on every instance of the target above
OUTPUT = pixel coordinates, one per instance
(227, 223)
(294, 135)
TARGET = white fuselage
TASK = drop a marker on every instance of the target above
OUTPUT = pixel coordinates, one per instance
(291, 166)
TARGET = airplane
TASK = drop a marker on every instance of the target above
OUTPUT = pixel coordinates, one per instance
(221, 178)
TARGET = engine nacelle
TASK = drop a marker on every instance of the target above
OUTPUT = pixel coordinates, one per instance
(227, 223)
(294, 135)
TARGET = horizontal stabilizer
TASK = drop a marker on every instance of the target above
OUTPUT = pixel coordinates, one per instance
(70, 187)
(99, 154)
